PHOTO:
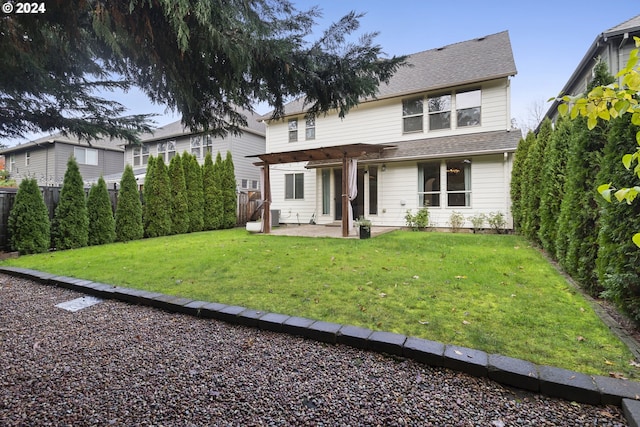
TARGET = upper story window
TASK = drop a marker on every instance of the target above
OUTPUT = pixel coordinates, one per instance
(86, 156)
(310, 130)
(412, 111)
(293, 130)
(167, 150)
(468, 108)
(196, 146)
(27, 158)
(140, 156)
(439, 112)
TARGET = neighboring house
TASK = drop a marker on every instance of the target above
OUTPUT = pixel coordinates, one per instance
(45, 159)
(611, 47)
(438, 136)
(172, 139)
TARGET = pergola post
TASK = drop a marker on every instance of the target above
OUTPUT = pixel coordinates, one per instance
(266, 206)
(345, 197)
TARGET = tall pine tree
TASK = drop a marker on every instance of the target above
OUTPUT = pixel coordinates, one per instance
(179, 208)
(29, 226)
(102, 224)
(208, 186)
(147, 192)
(218, 198)
(129, 208)
(71, 220)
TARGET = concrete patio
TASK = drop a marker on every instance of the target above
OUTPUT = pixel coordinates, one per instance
(331, 230)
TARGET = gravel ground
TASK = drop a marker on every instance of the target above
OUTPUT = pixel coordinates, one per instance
(120, 364)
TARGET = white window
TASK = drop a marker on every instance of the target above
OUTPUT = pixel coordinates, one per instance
(12, 163)
(244, 183)
(294, 186)
(457, 192)
(140, 156)
(412, 111)
(310, 130)
(196, 146)
(458, 183)
(429, 184)
(86, 156)
(167, 150)
(27, 158)
(439, 112)
(468, 108)
(293, 130)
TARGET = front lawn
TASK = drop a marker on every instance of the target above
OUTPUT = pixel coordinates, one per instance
(488, 292)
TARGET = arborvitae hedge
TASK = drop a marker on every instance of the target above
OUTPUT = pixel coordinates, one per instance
(229, 194)
(553, 179)
(157, 201)
(208, 186)
(195, 197)
(129, 209)
(29, 227)
(618, 257)
(517, 176)
(218, 175)
(102, 224)
(532, 184)
(147, 190)
(70, 220)
(179, 204)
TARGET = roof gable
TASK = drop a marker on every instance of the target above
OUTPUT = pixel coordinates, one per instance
(472, 61)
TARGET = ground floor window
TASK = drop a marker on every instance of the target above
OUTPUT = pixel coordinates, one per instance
(326, 192)
(294, 186)
(457, 176)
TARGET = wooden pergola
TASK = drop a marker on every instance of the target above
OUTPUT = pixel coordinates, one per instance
(344, 152)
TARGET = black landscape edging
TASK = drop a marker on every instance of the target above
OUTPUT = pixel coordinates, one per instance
(546, 380)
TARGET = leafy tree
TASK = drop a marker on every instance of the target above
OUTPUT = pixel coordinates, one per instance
(195, 197)
(157, 201)
(179, 208)
(71, 220)
(553, 179)
(102, 224)
(229, 193)
(200, 57)
(517, 177)
(531, 189)
(209, 188)
(129, 208)
(29, 227)
(618, 258)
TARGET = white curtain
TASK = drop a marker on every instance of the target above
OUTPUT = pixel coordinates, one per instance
(352, 189)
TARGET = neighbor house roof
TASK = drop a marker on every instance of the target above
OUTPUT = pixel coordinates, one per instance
(474, 144)
(103, 143)
(631, 26)
(472, 61)
(177, 129)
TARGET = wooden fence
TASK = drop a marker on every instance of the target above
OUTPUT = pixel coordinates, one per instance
(247, 204)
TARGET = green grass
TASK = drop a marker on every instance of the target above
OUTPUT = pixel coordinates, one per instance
(489, 292)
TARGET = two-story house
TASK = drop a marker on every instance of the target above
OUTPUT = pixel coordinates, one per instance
(174, 138)
(45, 159)
(438, 136)
(612, 47)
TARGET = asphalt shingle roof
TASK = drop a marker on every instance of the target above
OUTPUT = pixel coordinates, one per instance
(446, 146)
(472, 61)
